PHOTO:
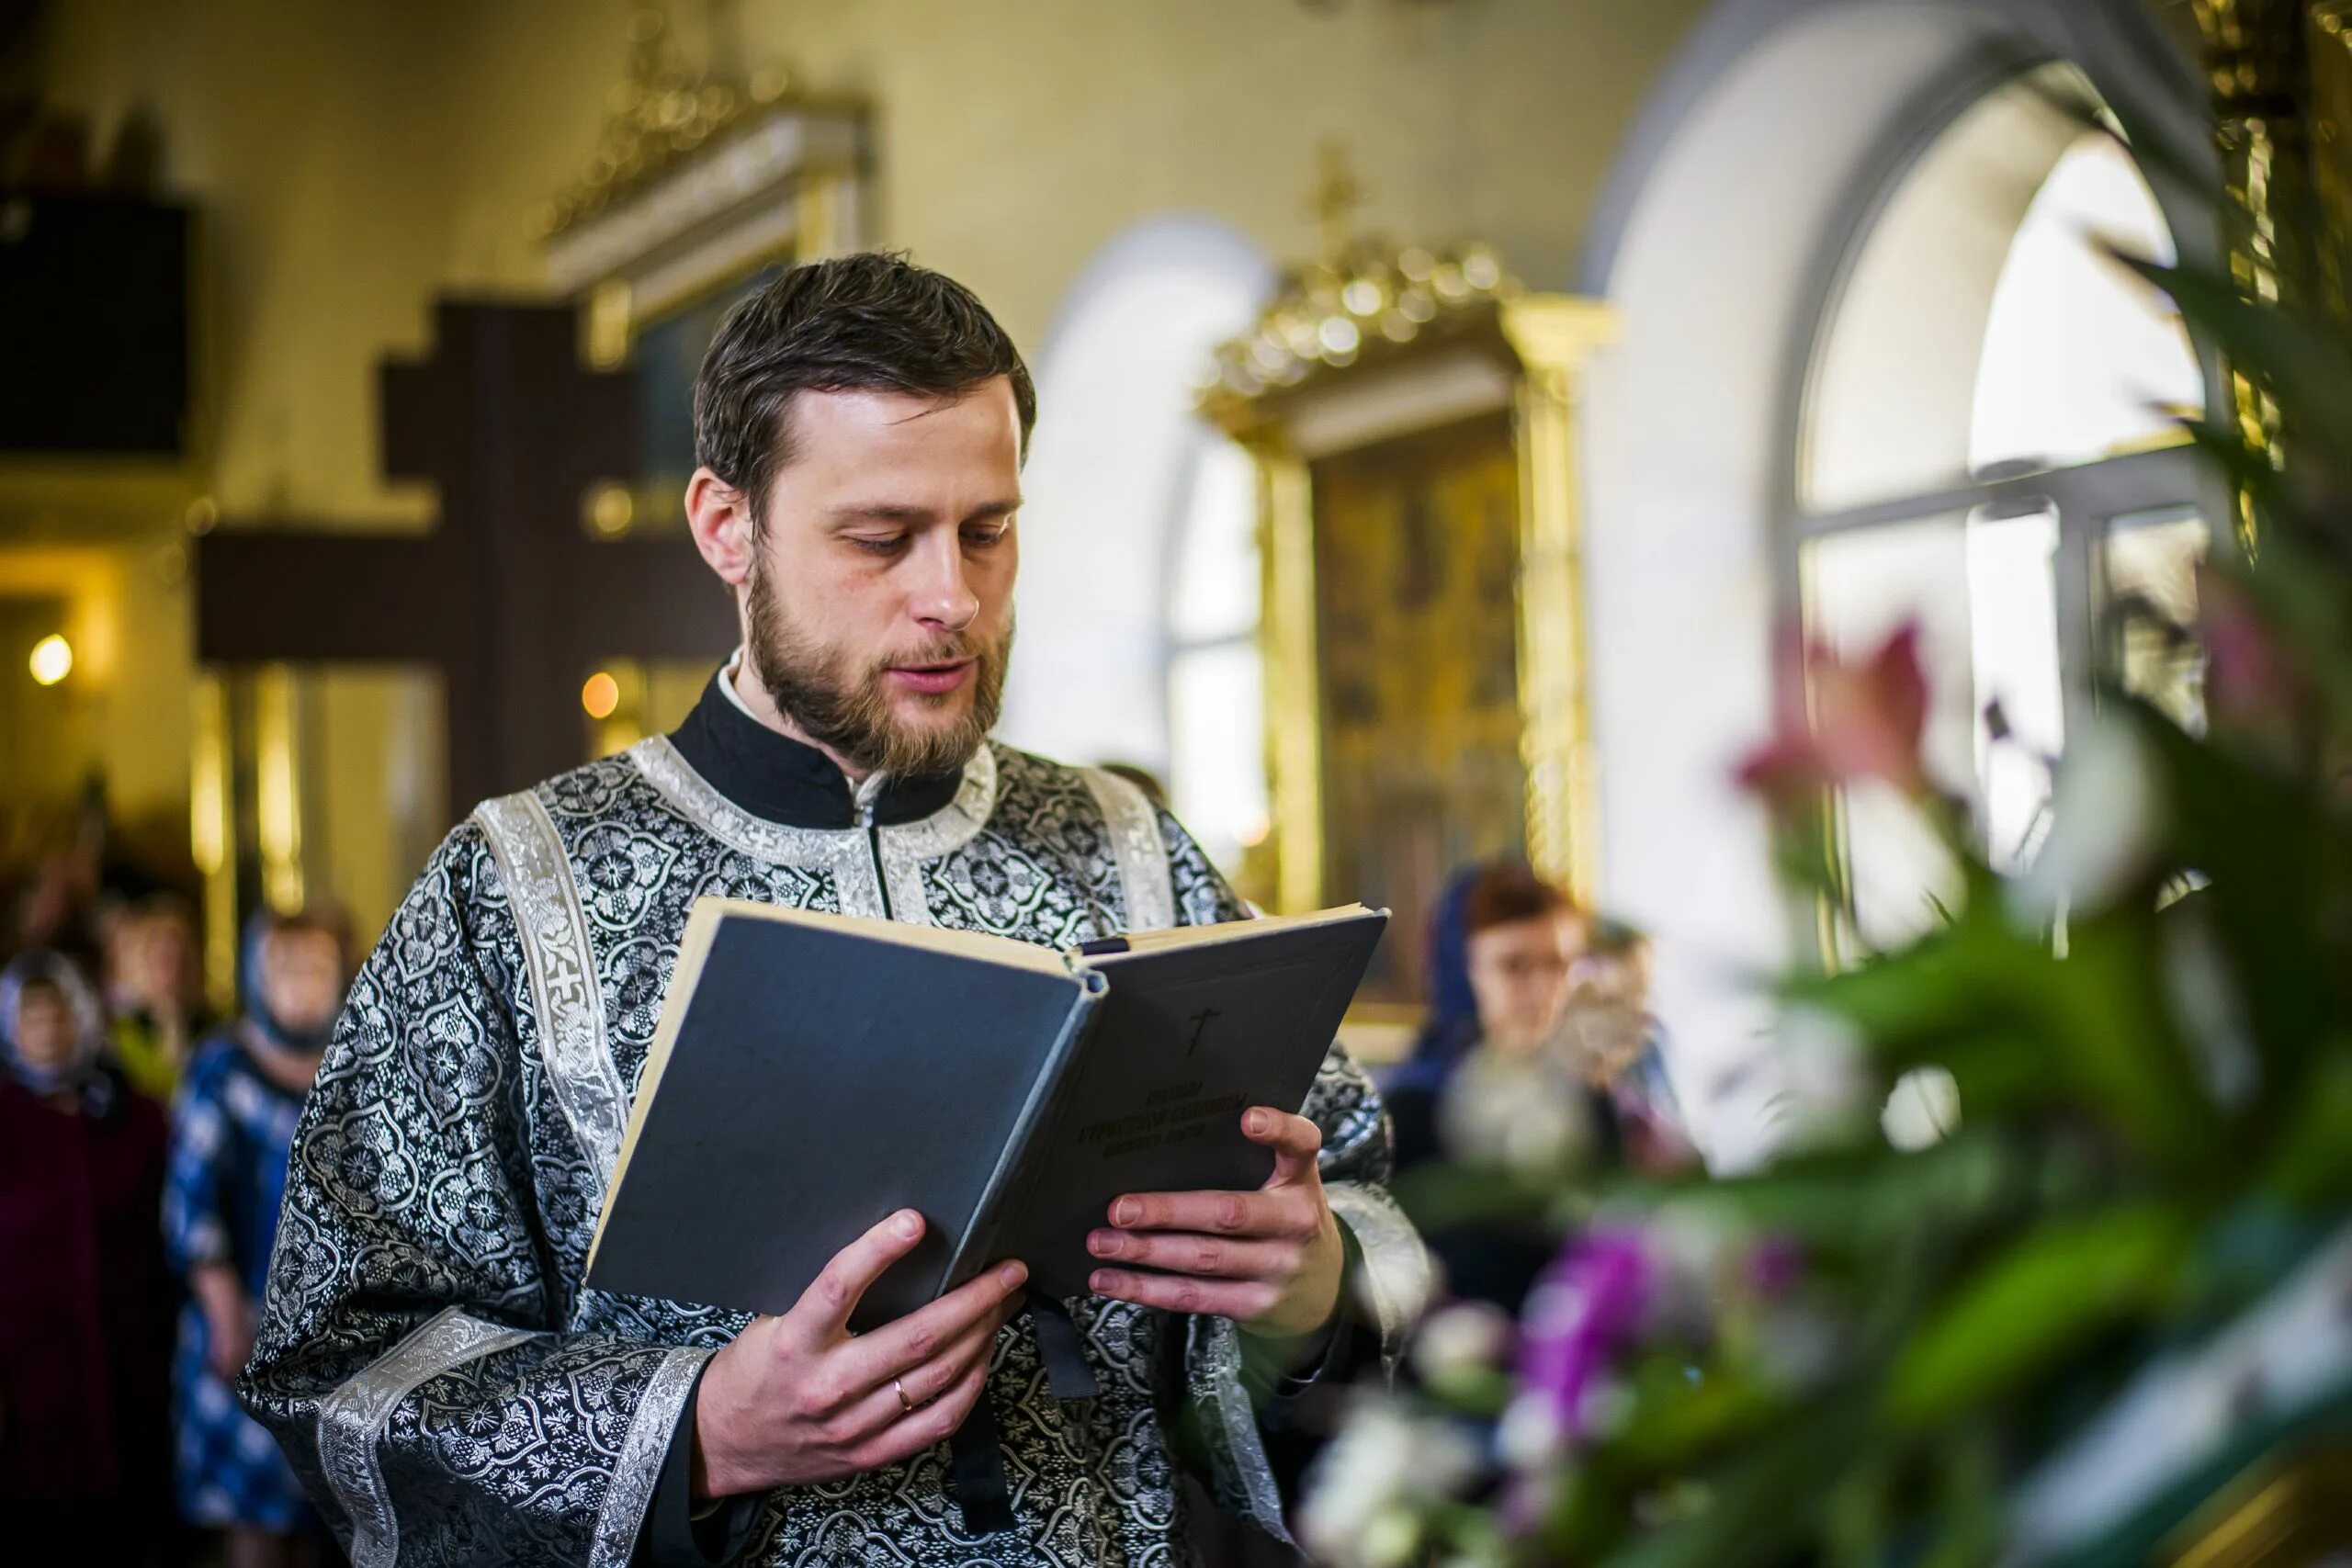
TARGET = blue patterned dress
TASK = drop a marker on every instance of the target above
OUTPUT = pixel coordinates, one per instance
(231, 1131)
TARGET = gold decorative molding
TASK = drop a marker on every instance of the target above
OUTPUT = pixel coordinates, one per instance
(277, 784)
(697, 180)
(1367, 344)
(1294, 687)
(1555, 336)
(1359, 302)
(212, 833)
(2281, 1514)
(663, 113)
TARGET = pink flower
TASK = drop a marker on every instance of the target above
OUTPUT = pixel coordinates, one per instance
(1840, 723)
(2253, 683)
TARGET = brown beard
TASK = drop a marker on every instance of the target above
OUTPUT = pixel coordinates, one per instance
(849, 714)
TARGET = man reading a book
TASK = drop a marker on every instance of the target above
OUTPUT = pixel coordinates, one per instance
(430, 1357)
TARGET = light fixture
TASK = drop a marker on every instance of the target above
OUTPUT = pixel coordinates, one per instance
(599, 695)
(52, 661)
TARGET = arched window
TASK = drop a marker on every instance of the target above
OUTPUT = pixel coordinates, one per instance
(1868, 370)
(1139, 598)
(1989, 449)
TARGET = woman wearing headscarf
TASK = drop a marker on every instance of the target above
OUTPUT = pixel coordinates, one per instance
(1485, 1085)
(231, 1130)
(84, 1298)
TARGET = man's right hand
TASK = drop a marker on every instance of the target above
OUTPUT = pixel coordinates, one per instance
(798, 1398)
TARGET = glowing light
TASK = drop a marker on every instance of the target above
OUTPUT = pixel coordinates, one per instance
(52, 659)
(599, 695)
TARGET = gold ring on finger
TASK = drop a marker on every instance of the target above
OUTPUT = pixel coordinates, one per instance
(904, 1403)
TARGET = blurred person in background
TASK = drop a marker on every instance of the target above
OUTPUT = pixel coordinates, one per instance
(1487, 1084)
(85, 1301)
(154, 994)
(231, 1131)
(1617, 1045)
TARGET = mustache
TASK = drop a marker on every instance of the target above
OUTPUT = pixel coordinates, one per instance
(956, 649)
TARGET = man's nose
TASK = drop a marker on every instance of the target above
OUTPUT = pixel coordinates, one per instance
(943, 596)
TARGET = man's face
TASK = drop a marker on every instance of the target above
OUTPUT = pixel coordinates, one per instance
(878, 610)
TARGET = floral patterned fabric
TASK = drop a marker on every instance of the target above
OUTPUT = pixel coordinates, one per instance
(429, 1357)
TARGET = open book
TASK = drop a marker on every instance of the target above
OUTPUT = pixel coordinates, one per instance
(812, 1073)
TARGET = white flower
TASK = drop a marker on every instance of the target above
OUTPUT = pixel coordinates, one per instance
(2105, 813)
(1921, 1109)
(1530, 1438)
(1361, 1508)
(1460, 1340)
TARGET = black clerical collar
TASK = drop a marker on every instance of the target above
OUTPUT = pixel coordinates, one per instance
(786, 781)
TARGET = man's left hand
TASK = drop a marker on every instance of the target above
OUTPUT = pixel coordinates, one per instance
(1270, 1260)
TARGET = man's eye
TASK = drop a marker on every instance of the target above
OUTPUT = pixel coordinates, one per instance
(983, 537)
(888, 545)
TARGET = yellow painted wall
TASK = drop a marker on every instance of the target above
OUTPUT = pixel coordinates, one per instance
(352, 160)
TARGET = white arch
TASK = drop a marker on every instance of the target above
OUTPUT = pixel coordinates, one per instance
(1115, 437)
(1715, 243)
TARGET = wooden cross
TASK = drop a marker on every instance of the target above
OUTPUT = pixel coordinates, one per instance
(509, 598)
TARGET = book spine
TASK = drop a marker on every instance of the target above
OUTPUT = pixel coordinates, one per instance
(972, 1253)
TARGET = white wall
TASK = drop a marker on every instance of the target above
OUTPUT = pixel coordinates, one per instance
(1115, 432)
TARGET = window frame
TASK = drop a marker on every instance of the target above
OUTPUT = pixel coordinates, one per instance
(2088, 499)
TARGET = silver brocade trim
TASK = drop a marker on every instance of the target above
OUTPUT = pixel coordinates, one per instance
(1213, 1363)
(351, 1421)
(840, 851)
(564, 991)
(1397, 1276)
(905, 845)
(1141, 852)
(642, 1451)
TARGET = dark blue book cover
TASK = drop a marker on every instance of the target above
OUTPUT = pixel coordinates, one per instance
(813, 1073)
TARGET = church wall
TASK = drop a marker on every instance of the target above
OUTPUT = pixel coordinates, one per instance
(351, 162)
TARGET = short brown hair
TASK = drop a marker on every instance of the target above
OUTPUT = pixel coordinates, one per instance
(870, 323)
(1509, 892)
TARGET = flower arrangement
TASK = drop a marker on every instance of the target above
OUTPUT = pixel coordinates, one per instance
(2062, 1325)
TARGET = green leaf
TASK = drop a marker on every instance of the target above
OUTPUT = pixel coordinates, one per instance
(2051, 1290)
(2310, 1161)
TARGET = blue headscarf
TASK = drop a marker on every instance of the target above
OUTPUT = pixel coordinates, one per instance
(84, 1072)
(1452, 1028)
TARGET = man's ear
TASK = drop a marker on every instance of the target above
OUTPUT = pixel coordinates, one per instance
(719, 517)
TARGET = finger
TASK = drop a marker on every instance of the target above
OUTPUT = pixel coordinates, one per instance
(1240, 1299)
(872, 1359)
(927, 1427)
(883, 1409)
(1282, 1212)
(1189, 1252)
(822, 1314)
(1295, 1140)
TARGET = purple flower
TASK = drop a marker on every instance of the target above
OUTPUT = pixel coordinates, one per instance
(1585, 1306)
(1775, 1267)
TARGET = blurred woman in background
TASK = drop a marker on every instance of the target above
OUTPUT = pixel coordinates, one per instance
(1485, 1086)
(154, 994)
(85, 1302)
(1540, 1058)
(232, 1131)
